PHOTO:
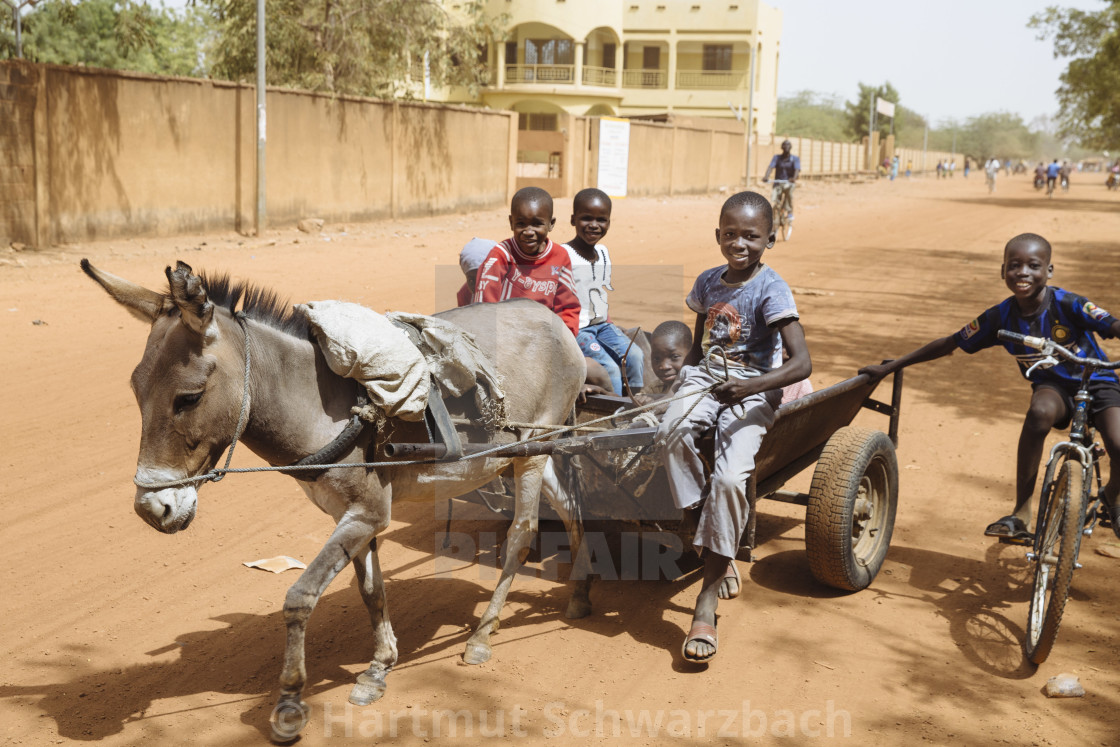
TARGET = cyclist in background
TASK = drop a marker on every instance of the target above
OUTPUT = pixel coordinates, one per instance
(786, 168)
(1052, 175)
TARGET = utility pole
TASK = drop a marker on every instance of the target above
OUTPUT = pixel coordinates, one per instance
(261, 120)
(925, 142)
(15, 6)
(750, 110)
(870, 129)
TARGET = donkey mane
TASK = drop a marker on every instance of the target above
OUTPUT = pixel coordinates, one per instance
(257, 303)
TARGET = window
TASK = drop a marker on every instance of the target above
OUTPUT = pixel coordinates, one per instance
(511, 53)
(717, 56)
(549, 52)
(539, 121)
(651, 58)
(608, 55)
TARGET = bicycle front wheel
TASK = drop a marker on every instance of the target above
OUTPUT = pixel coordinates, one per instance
(1057, 541)
(785, 224)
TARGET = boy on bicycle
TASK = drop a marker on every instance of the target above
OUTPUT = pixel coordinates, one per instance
(786, 168)
(1068, 319)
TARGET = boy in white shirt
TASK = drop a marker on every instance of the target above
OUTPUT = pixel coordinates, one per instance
(598, 338)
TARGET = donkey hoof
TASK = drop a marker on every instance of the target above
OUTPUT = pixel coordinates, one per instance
(368, 688)
(288, 719)
(477, 653)
(577, 608)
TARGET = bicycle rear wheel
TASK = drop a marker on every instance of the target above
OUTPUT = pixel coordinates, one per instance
(1057, 541)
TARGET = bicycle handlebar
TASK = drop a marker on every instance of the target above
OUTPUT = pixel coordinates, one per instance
(1049, 347)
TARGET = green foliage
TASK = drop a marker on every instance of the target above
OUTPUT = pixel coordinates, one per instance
(1090, 87)
(999, 134)
(809, 114)
(859, 111)
(118, 35)
(366, 47)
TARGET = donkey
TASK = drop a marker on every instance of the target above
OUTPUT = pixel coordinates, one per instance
(191, 386)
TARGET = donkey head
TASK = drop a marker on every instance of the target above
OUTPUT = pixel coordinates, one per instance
(188, 386)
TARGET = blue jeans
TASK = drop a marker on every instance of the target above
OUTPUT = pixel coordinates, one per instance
(606, 344)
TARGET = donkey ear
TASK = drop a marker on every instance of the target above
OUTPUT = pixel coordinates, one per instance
(146, 305)
(189, 295)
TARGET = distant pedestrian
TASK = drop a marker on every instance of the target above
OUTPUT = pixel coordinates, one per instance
(894, 168)
(952, 167)
(940, 167)
(967, 166)
(909, 167)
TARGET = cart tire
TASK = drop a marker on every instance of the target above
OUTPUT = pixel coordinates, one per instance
(852, 504)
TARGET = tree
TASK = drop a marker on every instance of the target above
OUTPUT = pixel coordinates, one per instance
(859, 111)
(809, 114)
(103, 33)
(1090, 87)
(11, 42)
(367, 47)
(999, 134)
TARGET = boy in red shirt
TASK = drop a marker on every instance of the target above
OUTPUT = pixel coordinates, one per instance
(529, 264)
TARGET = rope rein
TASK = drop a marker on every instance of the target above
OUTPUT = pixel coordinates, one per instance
(217, 473)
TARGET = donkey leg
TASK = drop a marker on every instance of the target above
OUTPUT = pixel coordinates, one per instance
(371, 683)
(564, 504)
(527, 482)
(349, 538)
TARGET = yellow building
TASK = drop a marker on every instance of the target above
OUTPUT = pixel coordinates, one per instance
(632, 58)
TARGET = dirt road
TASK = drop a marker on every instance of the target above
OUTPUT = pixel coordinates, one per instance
(115, 633)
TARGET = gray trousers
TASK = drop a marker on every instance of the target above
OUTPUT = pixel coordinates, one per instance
(724, 515)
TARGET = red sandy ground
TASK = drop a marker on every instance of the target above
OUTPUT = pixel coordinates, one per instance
(115, 633)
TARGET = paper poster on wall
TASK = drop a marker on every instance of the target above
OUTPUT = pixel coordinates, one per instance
(614, 155)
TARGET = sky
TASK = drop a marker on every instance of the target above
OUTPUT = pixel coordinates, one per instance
(949, 59)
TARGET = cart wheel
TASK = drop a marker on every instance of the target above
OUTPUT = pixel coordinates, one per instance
(851, 510)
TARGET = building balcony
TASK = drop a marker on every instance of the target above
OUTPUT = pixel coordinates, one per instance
(645, 79)
(545, 74)
(600, 76)
(605, 77)
(700, 80)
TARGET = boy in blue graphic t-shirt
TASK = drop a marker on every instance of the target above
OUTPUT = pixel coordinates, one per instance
(744, 313)
(1068, 319)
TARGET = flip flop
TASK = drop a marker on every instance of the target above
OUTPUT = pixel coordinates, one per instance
(732, 572)
(700, 631)
(1009, 529)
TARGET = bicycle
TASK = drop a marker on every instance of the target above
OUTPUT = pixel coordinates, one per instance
(1050, 187)
(782, 210)
(1068, 507)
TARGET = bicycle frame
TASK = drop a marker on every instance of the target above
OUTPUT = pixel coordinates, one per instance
(1063, 521)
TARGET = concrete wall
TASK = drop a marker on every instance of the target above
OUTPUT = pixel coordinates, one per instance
(99, 153)
(18, 150)
(686, 155)
(820, 158)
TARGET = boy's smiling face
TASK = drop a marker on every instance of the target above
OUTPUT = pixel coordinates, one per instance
(744, 233)
(592, 219)
(1026, 268)
(530, 221)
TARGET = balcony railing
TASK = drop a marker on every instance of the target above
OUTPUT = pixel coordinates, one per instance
(600, 76)
(540, 73)
(644, 79)
(698, 79)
